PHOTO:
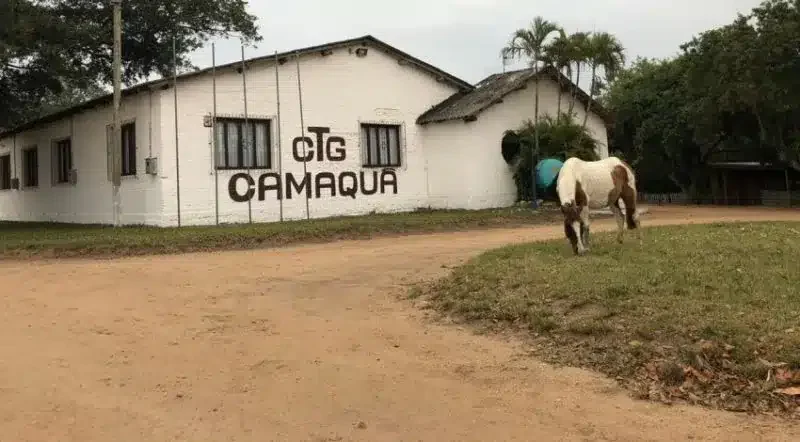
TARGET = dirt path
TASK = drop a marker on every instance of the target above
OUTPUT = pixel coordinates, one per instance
(302, 343)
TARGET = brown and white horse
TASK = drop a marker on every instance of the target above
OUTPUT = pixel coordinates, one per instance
(584, 185)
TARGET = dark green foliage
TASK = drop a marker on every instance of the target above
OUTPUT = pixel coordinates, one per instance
(733, 89)
(48, 47)
(557, 139)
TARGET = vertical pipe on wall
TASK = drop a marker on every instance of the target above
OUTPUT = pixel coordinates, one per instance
(302, 124)
(14, 172)
(278, 130)
(214, 130)
(150, 123)
(175, 106)
(245, 135)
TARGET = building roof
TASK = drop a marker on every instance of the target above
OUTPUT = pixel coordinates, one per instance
(468, 104)
(366, 40)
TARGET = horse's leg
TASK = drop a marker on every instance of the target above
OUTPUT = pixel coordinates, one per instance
(585, 224)
(615, 209)
(628, 196)
(572, 236)
(577, 227)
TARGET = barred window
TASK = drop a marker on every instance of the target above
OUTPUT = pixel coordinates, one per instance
(240, 147)
(380, 145)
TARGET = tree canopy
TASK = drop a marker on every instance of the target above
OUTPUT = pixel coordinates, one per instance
(546, 43)
(54, 51)
(733, 90)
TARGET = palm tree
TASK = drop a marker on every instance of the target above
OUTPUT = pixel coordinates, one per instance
(603, 50)
(557, 54)
(579, 48)
(529, 42)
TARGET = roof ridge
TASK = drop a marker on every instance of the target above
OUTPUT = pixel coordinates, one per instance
(53, 116)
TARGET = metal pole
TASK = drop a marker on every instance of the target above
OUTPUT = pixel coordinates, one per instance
(116, 143)
(175, 106)
(214, 130)
(245, 132)
(14, 172)
(302, 125)
(278, 130)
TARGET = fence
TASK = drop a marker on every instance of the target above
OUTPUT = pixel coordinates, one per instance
(770, 198)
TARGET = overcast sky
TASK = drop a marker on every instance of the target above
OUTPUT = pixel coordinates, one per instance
(464, 37)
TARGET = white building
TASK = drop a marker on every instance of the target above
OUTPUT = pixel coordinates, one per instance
(383, 132)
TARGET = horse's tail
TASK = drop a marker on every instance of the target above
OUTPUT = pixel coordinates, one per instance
(629, 216)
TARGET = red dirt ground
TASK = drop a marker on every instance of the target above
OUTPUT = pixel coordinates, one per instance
(304, 343)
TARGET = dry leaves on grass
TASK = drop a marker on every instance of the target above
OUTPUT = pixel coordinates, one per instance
(705, 380)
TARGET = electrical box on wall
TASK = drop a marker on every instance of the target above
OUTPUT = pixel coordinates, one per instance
(151, 165)
(73, 176)
(208, 121)
(15, 183)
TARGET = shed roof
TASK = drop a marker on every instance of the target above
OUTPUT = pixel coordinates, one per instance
(490, 91)
(366, 40)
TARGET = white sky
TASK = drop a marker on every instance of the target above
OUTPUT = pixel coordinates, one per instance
(464, 37)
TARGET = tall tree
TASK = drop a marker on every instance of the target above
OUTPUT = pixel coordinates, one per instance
(530, 43)
(578, 50)
(606, 52)
(47, 46)
(733, 91)
(557, 54)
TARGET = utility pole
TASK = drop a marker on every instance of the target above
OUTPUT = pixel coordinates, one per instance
(116, 139)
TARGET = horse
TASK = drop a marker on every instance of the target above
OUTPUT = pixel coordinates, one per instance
(583, 185)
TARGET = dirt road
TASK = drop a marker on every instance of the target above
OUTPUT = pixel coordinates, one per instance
(303, 343)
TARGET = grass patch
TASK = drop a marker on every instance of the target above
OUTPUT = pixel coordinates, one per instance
(709, 314)
(25, 240)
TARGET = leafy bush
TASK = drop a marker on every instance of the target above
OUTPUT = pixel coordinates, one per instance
(560, 138)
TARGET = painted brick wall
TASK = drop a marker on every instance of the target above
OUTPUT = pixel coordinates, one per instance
(89, 200)
(482, 178)
(339, 91)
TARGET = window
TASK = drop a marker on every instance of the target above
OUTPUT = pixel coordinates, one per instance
(5, 172)
(62, 160)
(380, 145)
(30, 167)
(234, 150)
(128, 149)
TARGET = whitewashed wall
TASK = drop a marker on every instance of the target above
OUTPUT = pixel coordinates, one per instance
(339, 91)
(88, 200)
(466, 167)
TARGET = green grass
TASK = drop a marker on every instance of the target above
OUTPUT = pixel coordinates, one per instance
(709, 314)
(27, 240)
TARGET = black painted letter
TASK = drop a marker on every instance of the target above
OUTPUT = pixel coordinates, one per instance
(331, 184)
(374, 183)
(319, 130)
(263, 187)
(292, 183)
(340, 151)
(348, 189)
(385, 175)
(232, 187)
(296, 151)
